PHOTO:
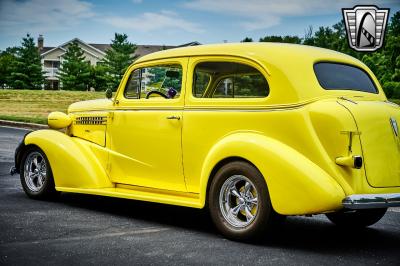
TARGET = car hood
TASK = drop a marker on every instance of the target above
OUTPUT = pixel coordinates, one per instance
(91, 105)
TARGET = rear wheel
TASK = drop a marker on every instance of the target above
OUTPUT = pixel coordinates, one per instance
(356, 218)
(239, 202)
(36, 176)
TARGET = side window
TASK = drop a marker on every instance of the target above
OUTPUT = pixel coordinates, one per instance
(163, 81)
(132, 87)
(201, 82)
(224, 89)
(229, 80)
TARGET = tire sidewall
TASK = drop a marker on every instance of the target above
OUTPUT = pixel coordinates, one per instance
(260, 222)
(48, 186)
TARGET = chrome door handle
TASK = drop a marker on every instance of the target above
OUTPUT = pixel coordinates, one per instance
(174, 117)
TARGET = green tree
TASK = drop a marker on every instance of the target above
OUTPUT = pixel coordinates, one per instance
(377, 62)
(118, 58)
(271, 38)
(159, 78)
(324, 37)
(74, 72)
(99, 78)
(27, 69)
(392, 43)
(291, 39)
(284, 39)
(247, 39)
(396, 74)
(7, 60)
(308, 36)
(385, 63)
(394, 26)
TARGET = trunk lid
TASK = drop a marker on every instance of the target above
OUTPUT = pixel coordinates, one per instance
(378, 122)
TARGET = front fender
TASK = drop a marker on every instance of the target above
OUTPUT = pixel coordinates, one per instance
(19, 151)
(75, 163)
(296, 185)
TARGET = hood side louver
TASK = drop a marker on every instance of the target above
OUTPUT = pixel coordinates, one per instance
(90, 120)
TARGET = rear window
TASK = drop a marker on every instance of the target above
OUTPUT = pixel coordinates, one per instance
(334, 76)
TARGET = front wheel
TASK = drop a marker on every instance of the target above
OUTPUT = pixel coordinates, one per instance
(36, 176)
(239, 202)
(357, 218)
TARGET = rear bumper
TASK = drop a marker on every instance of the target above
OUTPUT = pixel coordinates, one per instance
(371, 201)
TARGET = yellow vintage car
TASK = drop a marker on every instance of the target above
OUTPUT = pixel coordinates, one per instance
(253, 131)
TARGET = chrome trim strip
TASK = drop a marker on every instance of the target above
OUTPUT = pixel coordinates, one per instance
(261, 109)
(347, 99)
(392, 103)
(371, 201)
(394, 125)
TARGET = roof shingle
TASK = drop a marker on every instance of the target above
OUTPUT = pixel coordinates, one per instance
(140, 51)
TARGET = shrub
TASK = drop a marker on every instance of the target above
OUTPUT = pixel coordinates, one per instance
(392, 89)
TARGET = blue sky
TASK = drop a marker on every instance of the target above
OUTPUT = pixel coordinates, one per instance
(170, 22)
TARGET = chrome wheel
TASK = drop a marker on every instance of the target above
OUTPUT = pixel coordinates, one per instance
(35, 171)
(238, 201)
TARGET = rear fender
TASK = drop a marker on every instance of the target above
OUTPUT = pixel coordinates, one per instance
(296, 185)
(75, 163)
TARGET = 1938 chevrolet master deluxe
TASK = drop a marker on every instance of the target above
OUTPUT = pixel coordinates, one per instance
(254, 132)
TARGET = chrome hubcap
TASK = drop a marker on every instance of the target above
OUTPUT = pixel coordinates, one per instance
(35, 171)
(238, 201)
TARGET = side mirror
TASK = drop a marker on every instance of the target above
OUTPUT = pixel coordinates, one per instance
(109, 94)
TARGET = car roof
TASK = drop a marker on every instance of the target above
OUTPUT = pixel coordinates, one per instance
(256, 51)
(289, 66)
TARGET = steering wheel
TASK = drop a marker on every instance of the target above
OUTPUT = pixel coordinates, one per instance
(171, 93)
(156, 92)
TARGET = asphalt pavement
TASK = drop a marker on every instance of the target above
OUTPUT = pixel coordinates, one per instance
(84, 229)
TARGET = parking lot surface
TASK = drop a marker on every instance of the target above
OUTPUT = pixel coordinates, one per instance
(84, 229)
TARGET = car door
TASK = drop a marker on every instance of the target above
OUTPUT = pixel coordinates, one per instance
(145, 133)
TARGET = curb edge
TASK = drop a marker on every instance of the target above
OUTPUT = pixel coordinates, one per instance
(22, 124)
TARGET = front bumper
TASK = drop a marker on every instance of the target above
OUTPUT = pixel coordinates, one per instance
(18, 155)
(371, 201)
(13, 170)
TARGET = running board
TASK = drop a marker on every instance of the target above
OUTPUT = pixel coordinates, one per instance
(143, 194)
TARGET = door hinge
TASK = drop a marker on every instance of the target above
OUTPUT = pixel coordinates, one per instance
(111, 115)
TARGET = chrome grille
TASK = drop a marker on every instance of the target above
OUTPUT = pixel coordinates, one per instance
(90, 120)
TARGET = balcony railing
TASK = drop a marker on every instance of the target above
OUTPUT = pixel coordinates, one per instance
(50, 71)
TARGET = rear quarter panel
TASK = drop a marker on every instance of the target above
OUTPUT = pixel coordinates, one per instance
(278, 139)
(292, 136)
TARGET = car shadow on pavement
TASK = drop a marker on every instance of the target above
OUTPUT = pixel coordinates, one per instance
(318, 234)
(175, 216)
(310, 234)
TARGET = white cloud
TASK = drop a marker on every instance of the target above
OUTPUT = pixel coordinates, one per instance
(261, 23)
(247, 8)
(41, 16)
(152, 21)
(262, 14)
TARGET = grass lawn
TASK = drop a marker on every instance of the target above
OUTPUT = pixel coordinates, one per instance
(34, 105)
